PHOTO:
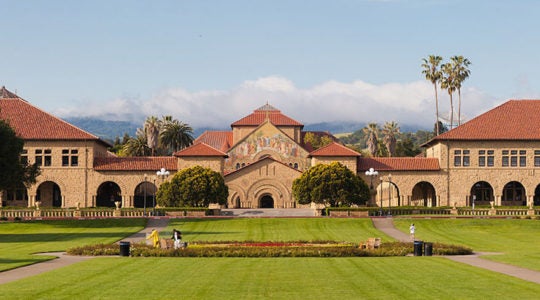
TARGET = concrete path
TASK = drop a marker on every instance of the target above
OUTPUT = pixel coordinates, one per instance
(154, 223)
(63, 259)
(386, 225)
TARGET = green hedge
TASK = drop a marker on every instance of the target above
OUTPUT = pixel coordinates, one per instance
(240, 249)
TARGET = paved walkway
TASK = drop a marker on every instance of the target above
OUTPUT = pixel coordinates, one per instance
(386, 225)
(63, 259)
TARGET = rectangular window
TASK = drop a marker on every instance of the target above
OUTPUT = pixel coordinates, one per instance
(47, 158)
(39, 157)
(481, 161)
(74, 157)
(537, 158)
(24, 157)
(70, 157)
(462, 158)
(466, 158)
(65, 157)
(457, 158)
(522, 158)
(505, 158)
(491, 158)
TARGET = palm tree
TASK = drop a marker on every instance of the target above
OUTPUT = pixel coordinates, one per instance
(136, 146)
(462, 72)
(151, 128)
(448, 82)
(371, 132)
(175, 135)
(390, 131)
(433, 74)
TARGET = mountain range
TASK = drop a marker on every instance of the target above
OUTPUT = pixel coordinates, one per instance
(109, 130)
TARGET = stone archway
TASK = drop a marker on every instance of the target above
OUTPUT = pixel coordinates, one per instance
(536, 199)
(49, 194)
(144, 195)
(481, 193)
(514, 194)
(423, 194)
(108, 193)
(266, 201)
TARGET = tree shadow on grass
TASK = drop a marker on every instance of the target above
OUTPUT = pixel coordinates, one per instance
(60, 237)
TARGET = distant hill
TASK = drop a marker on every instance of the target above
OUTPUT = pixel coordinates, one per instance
(348, 127)
(109, 130)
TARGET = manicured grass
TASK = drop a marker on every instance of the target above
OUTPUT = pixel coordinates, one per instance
(517, 240)
(269, 278)
(276, 229)
(275, 278)
(18, 240)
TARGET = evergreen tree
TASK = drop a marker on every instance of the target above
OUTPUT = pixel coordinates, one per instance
(13, 172)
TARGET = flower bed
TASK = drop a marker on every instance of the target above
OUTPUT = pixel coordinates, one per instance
(269, 249)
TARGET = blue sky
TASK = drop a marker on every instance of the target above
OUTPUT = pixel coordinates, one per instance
(209, 63)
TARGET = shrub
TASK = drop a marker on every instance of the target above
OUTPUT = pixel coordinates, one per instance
(268, 249)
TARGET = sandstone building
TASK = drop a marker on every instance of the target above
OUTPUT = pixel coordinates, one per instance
(493, 157)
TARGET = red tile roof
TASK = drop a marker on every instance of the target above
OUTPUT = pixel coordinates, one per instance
(398, 164)
(32, 123)
(334, 149)
(221, 140)
(200, 149)
(4, 93)
(138, 163)
(267, 111)
(513, 120)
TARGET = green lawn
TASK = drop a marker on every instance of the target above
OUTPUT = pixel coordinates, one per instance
(272, 278)
(275, 278)
(20, 239)
(516, 240)
(276, 229)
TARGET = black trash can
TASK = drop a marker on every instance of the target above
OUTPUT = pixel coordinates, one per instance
(428, 249)
(124, 248)
(418, 248)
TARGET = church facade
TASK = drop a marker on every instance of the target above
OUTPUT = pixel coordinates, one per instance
(492, 158)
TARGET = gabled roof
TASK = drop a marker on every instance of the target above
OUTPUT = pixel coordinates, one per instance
(200, 149)
(262, 113)
(137, 163)
(5, 94)
(398, 164)
(221, 140)
(512, 120)
(32, 123)
(334, 149)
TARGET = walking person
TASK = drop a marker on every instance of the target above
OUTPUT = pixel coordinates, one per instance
(177, 238)
(154, 236)
(412, 229)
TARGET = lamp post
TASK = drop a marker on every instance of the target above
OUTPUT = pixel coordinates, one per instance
(144, 205)
(162, 174)
(389, 194)
(154, 197)
(380, 195)
(371, 173)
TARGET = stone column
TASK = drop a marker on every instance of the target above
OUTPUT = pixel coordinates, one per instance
(498, 200)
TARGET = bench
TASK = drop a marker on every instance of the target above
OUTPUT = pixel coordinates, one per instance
(371, 243)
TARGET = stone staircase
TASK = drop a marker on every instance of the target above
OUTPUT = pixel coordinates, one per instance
(269, 212)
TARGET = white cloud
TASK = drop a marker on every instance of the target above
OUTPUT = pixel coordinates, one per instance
(406, 103)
